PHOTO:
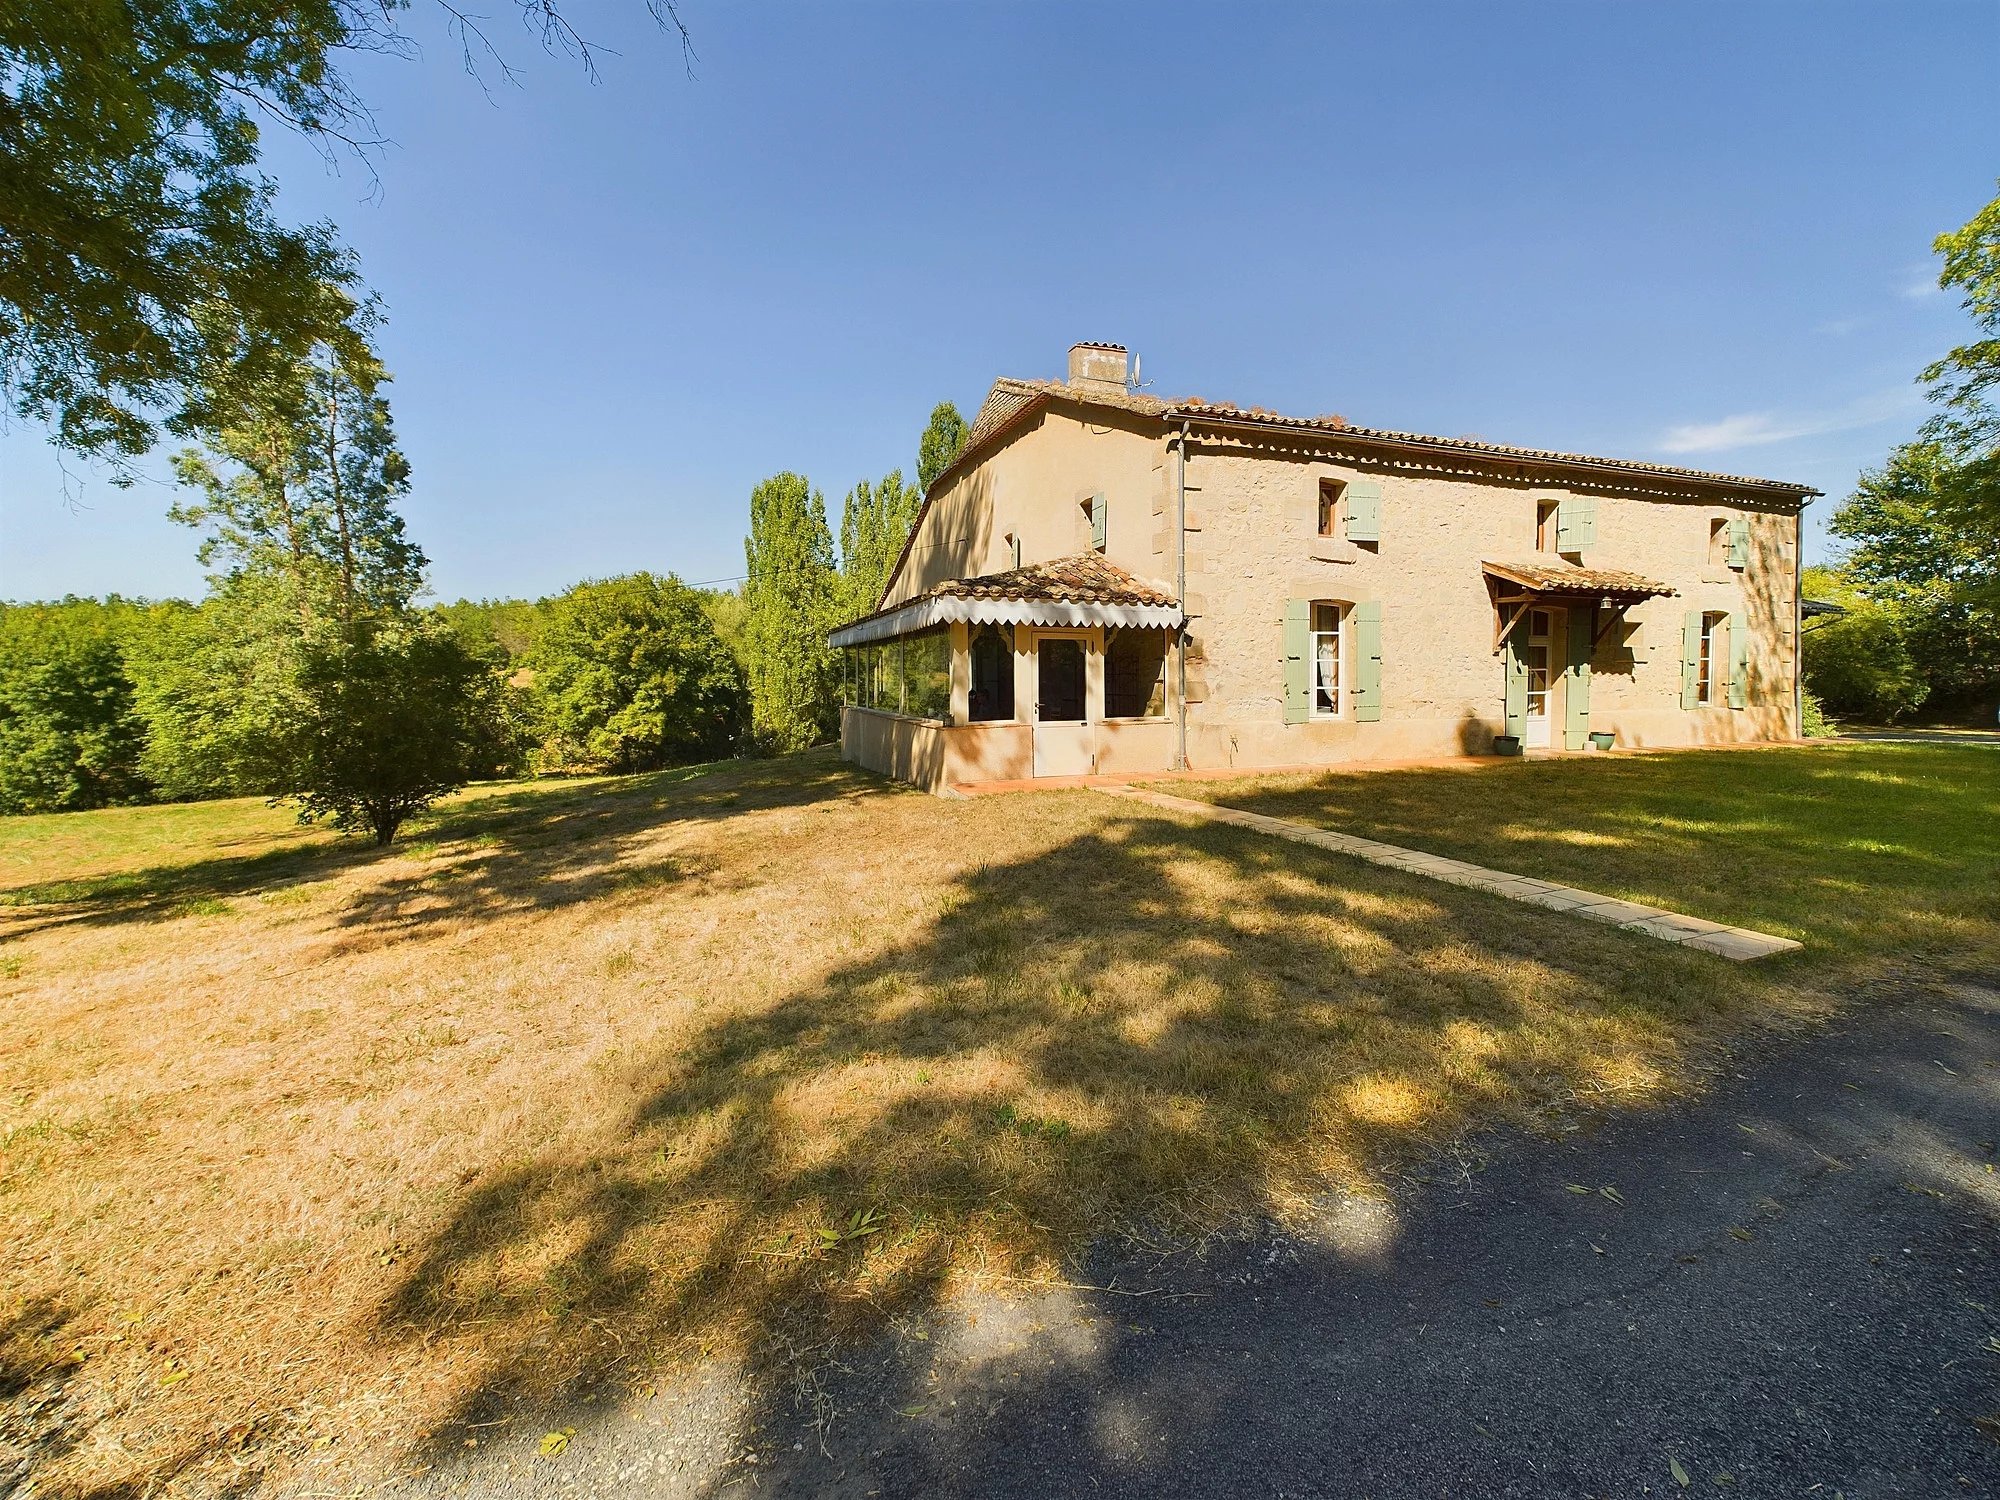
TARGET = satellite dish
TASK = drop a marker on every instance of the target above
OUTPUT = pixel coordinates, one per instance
(1135, 370)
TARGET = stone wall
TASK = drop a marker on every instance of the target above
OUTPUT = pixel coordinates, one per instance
(1252, 545)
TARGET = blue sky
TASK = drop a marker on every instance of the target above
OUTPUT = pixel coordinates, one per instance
(1690, 233)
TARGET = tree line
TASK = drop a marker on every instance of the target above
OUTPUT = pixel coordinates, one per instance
(1918, 576)
(312, 672)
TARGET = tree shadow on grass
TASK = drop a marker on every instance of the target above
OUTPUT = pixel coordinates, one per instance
(1857, 848)
(537, 851)
(1151, 1024)
(479, 856)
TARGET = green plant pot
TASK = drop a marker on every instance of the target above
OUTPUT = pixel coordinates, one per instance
(1506, 744)
(1599, 740)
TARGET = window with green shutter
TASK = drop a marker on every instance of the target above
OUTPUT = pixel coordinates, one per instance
(1739, 662)
(1576, 524)
(1298, 638)
(1365, 621)
(1097, 522)
(1739, 542)
(1363, 498)
(1691, 655)
(1576, 677)
(1517, 681)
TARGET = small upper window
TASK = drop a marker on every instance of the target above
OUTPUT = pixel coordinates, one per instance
(1328, 656)
(1718, 542)
(1329, 506)
(1548, 520)
(1095, 517)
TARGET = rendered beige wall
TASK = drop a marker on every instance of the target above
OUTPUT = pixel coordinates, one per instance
(1252, 545)
(1035, 484)
(931, 755)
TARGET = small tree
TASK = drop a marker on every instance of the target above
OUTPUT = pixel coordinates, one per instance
(391, 717)
(630, 675)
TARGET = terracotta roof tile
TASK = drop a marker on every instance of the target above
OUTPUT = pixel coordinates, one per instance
(1564, 578)
(1010, 399)
(1087, 579)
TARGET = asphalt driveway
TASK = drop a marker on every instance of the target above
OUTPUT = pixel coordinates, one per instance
(1792, 1288)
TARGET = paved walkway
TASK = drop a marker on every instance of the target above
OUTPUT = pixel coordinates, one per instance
(1738, 943)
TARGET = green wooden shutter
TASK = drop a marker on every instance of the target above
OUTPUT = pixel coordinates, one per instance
(1576, 523)
(1739, 662)
(1365, 625)
(1576, 680)
(1015, 540)
(1097, 524)
(1298, 642)
(1691, 660)
(1364, 511)
(1517, 680)
(1739, 542)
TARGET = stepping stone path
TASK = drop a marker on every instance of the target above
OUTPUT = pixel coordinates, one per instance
(1738, 943)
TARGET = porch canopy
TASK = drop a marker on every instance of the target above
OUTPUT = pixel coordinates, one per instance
(1083, 590)
(1521, 586)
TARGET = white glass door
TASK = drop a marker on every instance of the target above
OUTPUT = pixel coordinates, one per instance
(1537, 658)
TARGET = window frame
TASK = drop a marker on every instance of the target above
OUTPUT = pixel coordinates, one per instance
(1004, 635)
(1548, 524)
(1332, 508)
(1111, 634)
(1704, 661)
(1342, 609)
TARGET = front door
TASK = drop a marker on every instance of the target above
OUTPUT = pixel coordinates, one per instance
(1537, 657)
(1062, 738)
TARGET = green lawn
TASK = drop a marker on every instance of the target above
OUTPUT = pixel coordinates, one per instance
(1863, 851)
(312, 1154)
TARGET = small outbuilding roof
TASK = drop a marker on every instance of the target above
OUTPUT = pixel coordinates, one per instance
(1083, 590)
(1565, 578)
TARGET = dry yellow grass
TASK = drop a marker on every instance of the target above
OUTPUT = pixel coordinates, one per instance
(307, 1145)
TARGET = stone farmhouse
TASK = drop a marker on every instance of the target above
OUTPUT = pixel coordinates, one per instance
(1107, 582)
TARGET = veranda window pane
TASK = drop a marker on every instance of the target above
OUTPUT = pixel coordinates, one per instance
(927, 675)
(1135, 674)
(992, 674)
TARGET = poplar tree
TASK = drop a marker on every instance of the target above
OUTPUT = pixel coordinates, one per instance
(942, 442)
(792, 597)
(875, 521)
